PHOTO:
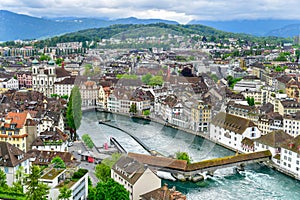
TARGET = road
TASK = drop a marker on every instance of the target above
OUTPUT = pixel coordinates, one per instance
(77, 147)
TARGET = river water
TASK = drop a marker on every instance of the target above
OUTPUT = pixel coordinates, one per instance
(256, 182)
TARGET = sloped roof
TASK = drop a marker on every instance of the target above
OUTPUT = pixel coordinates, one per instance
(159, 161)
(274, 139)
(232, 122)
(163, 193)
(129, 168)
(45, 157)
(16, 118)
(9, 155)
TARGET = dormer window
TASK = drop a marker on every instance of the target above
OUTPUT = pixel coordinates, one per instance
(12, 126)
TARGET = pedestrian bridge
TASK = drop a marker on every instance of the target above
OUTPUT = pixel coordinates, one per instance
(181, 166)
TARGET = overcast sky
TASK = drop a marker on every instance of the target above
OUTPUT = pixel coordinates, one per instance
(180, 10)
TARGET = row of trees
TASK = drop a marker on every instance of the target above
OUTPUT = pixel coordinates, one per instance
(87, 140)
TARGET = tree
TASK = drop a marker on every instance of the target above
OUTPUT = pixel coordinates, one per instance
(65, 193)
(183, 156)
(133, 108)
(146, 112)
(250, 101)
(87, 69)
(108, 190)
(88, 141)
(102, 172)
(146, 78)
(111, 161)
(44, 57)
(36, 189)
(74, 113)
(156, 80)
(58, 162)
(2, 178)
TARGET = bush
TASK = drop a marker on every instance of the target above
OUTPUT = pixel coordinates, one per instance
(79, 174)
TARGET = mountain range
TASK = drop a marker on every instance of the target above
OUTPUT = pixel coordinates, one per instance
(18, 26)
(258, 27)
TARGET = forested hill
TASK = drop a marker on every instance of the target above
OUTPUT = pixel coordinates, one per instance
(97, 34)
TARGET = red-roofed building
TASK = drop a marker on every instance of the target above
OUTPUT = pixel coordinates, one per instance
(18, 129)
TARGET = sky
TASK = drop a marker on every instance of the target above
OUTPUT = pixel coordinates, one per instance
(181, 11)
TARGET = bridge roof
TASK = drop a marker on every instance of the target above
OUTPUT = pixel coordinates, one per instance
(182, 165)
(228, 160)
(160, 161)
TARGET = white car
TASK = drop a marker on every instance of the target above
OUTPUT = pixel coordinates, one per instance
(70, 144)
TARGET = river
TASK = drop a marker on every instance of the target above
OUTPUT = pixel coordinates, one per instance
(256, 182)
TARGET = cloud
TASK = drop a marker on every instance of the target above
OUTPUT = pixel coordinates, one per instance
(179, 10)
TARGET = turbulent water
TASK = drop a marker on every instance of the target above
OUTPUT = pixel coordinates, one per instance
(256, 182)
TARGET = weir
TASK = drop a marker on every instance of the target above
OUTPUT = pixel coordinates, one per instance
(132, 136)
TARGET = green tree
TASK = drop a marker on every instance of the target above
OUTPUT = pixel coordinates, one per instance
(44, 57)
(111, 161)
(250, 101)
(36, 189)
(146, 112)
(64, 193)
(156, 80)
(88, 141)
(133, 108)
(183, 156)
(87, 69)
(58, 162)
(2, 178)
(146, 78)
(58, 61)
(74, 113)
(109, 190)
(102, 172)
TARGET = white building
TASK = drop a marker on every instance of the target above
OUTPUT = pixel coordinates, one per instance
(51, 140)
(135, 177)
(54, 179)
(230, 130)
(11, 159)
(51, 119)
(64, 87)
(248, 85)
(113, 103)
(291, 124)
(9, 83)
(45, 75)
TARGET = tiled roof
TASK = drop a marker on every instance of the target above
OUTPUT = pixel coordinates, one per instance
(66, 81)
(16, 118)
(129, 168)
(9, 155)
(292, 145)
(45, 157)
(60, 72)
(232, 122)
(163, 193)
(274, 139)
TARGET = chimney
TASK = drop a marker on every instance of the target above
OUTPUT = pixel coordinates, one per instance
(63, 64)
(165, 187)
(291, 145)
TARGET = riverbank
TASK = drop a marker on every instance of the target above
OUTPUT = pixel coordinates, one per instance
(269, 164)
